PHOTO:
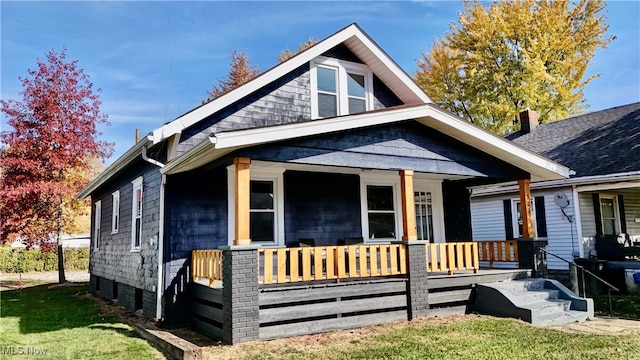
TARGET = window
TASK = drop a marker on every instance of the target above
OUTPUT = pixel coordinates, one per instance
(380, 206)
(115, 217)
(262, 211)
(136, 214)
(608, 209)
(340, 88)
(517, 218)
(97, 220)
(266, 204)
(424, 215)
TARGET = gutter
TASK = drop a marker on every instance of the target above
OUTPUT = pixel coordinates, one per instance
(477, 191)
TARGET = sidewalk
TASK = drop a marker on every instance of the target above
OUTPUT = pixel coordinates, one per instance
(75, 276)
(600, 325)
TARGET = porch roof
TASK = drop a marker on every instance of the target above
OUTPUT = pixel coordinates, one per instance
(430, 115)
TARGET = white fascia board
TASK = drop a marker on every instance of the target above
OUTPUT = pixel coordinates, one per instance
(584, 183)
(426, 114)
(122, 162)
(281, 70)
(496, 145)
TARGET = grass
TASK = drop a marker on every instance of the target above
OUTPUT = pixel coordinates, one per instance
(67, 324)
(471, 337)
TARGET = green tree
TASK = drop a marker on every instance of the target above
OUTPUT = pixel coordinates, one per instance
(286, 54)
(240, 72)
(499, 60)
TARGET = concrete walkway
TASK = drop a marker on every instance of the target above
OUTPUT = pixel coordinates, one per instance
(600, 325)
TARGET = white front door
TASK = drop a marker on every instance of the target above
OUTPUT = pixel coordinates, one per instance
(429, 210)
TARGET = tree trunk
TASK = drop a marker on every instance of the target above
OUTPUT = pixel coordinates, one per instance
(61, 277)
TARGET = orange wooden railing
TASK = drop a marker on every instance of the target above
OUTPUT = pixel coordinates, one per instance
(452, 256)
(498, 251)
(206, 264)
(291, 265)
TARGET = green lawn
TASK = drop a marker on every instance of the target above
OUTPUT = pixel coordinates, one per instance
(471, 337)
(624, 306)
(63, 324)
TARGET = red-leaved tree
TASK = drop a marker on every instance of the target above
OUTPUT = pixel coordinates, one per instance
(46, 158)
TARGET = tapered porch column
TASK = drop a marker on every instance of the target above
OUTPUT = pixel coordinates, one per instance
(408, 206)
(243, 192)
(525, 208)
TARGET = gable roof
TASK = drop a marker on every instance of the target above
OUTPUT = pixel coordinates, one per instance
(598, 143)
(352, 36)
(220, 144)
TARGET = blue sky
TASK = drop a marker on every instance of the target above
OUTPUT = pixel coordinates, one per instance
(155, 60)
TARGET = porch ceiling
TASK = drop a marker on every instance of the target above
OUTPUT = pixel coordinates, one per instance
(220, 144)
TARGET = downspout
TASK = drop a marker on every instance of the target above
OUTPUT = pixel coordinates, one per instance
(160, 233)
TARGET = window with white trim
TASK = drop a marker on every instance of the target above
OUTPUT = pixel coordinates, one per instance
(380, 207)
(517, 218)
(266, 204)
(97, 219)
(115, 212)
(340, 88)
(136, 214)
(609, 214)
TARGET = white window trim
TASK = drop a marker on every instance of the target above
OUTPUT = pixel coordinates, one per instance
(97, 228)
(437, 205)
(515, 205)
(137, 184)
(343, 67)
(115, 212)
(616, 212)
(380, 179)
(260, 172)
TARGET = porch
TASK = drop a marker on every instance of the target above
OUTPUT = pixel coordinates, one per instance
(242, 293)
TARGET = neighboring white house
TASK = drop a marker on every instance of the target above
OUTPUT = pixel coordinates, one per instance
(601, 198)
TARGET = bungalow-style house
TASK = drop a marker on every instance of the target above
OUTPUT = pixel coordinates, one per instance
(579, 216)
(263, 192)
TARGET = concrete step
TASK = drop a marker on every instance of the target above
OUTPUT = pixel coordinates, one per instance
(534, 295)
(562, 318)
(547, 306)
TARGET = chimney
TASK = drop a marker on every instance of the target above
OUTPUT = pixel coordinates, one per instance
(528, 121)
(138, 132)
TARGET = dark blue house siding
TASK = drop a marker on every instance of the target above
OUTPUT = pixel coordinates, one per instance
(196, 218)
(406, 145)
(321, 206)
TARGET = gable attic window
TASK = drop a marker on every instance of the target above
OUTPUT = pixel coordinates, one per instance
(340, 88)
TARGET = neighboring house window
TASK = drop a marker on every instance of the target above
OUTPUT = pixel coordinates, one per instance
(97, 220)
(115, 217)
(136, 214)
(340, 88)
(517, 218)
(513, 218)
(608, 211)
(380, 218)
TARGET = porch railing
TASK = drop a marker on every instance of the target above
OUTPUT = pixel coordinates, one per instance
(498, 251)
(452, 256)
(291, 265)
(206, 264)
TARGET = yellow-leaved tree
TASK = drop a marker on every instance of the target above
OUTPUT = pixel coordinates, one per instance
(501, 59)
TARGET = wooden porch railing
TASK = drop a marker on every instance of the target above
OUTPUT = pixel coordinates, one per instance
(206, 264)
(452, 256)
(498, 251)
(291, 265)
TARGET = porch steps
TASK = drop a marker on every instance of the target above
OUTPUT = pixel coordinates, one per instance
(541, 302)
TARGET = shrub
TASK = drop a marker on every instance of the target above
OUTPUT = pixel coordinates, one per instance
(22, 260)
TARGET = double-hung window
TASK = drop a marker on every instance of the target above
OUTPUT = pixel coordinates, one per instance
(97, 219)
(608, 211)
(380, 215)
(262, 215)
(517, 218)
(136, 214)
(340, 88)
(115, 216)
